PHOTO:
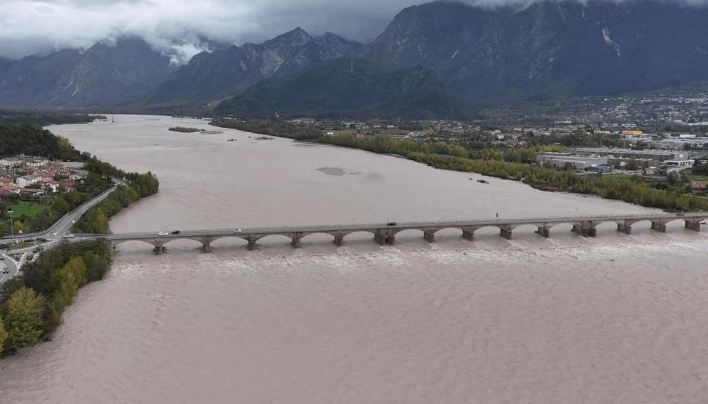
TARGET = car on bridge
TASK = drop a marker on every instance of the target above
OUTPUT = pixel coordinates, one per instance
(162, 233)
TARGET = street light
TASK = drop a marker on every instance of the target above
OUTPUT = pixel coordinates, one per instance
(12, 233)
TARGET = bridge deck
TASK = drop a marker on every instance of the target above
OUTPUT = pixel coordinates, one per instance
(385, 232)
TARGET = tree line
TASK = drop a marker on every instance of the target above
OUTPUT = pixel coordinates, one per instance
(31, 304)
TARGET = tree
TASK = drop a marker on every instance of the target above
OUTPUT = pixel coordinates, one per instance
(3, 335)
(24, 319)
(71, 277)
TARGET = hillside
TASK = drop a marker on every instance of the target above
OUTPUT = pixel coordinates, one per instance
(352, 88)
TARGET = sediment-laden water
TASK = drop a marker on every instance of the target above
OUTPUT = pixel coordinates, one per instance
(616, 318)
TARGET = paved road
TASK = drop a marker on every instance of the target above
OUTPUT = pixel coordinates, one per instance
(53, 235)
(11, 265)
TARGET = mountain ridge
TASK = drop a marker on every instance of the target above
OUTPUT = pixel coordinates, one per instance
(484, 55)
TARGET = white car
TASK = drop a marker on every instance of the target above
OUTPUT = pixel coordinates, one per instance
(162, 233)
(237, 230)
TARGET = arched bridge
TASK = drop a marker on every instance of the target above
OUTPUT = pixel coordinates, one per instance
(386, 232)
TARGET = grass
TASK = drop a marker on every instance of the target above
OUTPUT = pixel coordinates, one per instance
(27, 208)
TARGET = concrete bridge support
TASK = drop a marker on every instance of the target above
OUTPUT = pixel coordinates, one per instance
(693, 224)
(206, 244)
(585, 228)
(159, 247)
(339, 239)
(429, 235)
(252, 243)
(384, 236)
(468, 234)
(658, 226)
(626, 227)
(296, 237)
(468, 231)
(544, 230)
(505, 230)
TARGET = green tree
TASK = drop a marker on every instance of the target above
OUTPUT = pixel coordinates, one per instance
(24, 319)
(3, 335)
(71, 277)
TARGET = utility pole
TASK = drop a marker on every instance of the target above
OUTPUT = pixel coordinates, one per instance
(12, 233)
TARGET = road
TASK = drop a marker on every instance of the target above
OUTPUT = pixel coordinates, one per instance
(54, 234)
(11, 265)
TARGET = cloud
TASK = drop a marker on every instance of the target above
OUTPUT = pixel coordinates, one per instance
(180, 26)
(36, 27)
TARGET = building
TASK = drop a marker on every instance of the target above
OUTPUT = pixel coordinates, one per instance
(561, 159)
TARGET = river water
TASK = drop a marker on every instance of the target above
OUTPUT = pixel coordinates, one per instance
(616, 318)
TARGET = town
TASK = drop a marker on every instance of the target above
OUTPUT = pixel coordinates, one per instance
(35, 175)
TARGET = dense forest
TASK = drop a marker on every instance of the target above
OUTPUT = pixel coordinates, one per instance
(30, 139)
(46, 117)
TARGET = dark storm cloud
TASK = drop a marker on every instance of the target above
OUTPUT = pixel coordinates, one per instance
(30, 27)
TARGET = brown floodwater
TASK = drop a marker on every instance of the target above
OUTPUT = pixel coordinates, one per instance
(616, 318)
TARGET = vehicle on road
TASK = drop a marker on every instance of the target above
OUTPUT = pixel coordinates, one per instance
(5, 271)
(162, 233)
(69, 235)
(391, 223)
(237, 230)
(30, 257)
(175, 232)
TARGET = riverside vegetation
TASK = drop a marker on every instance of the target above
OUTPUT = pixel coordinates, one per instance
(31, 304)
(516, 163)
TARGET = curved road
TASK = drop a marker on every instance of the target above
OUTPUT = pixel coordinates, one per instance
(53, 235)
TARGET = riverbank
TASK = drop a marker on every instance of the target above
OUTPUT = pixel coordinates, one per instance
(32, 303)
(492, 162)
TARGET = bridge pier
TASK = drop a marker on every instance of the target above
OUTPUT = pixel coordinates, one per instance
(251, 243)
(626, 228)
(505, 230)
(694, 224)
(429, 236)
(206, 244)
(296, 237)
(339, 239)
(544, 230)
(384, 236)
(468, 231)
(159, 246)
(383, 239)
(585, 228)
(659, 226)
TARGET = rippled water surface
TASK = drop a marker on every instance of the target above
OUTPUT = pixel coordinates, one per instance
(616, 318)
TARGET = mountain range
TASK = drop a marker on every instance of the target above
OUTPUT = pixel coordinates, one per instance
(437, 60)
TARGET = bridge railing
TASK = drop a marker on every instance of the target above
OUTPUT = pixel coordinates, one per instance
(418, 225)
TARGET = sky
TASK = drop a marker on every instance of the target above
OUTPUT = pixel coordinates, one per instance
(40, 27)
(32, 27)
